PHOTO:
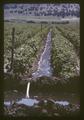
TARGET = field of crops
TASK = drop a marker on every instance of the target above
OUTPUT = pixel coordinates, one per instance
(30, 39)
(64, 58)
(72, 33)
(26, 45)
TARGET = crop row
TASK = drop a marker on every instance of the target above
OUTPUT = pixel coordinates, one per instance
(71, 26)
(28, 41)
(65, 61)
(72, 35)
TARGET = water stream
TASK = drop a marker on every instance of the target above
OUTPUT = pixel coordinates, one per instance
(44, 69)
(27, 92)
(59, 98)
(44, 65)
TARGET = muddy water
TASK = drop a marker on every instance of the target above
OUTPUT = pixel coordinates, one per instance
(41, 104)
(61, 98)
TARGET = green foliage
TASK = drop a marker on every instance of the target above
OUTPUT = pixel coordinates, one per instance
(64, 58)
(71, 32)
(28, 40)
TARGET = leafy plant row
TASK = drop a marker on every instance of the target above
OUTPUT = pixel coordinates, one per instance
(26, 47)
(64, 59)
(72, 36)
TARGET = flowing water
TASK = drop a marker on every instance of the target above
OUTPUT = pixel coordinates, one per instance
(35, 98)
(17, 104)
(44, 69)
(27, 92)
(44, 65)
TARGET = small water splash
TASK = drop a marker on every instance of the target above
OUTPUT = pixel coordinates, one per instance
(62, 102)
(44, 65)
(61, 99)
(7, 103)
(28, 102)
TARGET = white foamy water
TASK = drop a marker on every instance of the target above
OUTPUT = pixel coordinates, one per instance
(44, 65)
(62, 102)
(28, 102)
(7, 103)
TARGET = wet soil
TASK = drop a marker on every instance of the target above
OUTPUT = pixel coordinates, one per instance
(41, 104)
